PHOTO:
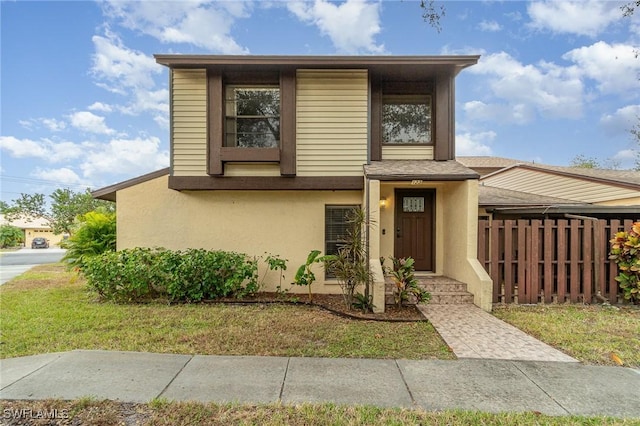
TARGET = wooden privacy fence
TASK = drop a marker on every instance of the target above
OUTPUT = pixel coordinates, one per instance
(552, 260)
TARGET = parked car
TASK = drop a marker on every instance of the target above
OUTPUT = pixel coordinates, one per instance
(39, 243)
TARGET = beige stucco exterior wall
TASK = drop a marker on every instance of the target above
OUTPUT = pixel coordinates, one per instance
(553, 185)
(331, 122)
(460, 228)
(189, 122)
(284, 223)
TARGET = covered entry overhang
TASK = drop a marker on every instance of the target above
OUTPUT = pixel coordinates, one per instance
(427, 210)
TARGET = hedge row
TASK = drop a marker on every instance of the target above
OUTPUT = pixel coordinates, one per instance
(139, 274)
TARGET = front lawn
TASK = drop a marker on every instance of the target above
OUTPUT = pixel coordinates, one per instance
(49, 309)
(160, 412)
(590, 334)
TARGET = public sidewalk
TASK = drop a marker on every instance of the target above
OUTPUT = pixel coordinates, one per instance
(555, 388)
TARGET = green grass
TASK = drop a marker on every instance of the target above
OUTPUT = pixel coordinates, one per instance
(87, 411)
(590, 334)
(49, 309)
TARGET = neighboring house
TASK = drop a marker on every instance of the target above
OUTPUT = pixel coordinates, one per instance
(34, 228)
(512, 188)
(268, 153)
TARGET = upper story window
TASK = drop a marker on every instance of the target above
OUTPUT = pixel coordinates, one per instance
(406, 119)
(252, 116)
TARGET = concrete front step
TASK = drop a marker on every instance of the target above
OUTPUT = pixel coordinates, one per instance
(444, 290)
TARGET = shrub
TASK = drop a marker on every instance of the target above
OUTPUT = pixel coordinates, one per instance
(139, 274)
(351, 265)
(10, 236)
(406, 285)
(96, 234)
(625, 252)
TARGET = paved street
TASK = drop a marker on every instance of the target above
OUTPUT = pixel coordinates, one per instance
(15, 263)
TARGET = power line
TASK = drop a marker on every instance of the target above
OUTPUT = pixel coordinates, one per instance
(45, 182)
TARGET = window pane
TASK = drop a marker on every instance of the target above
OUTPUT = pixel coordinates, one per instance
(413, 204)
(406, 119)
(335, 227)
(253, 117)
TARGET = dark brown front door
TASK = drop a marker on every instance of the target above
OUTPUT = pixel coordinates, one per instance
(414, 226)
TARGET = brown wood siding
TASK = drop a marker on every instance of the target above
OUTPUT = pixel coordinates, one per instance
(189, 122)
(331, 122)
(550, 261)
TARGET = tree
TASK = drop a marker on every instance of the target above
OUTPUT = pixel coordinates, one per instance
(629, 8)
(10, 236)
(583, 162)
(432, 14)
(66, 205)
(96, 234)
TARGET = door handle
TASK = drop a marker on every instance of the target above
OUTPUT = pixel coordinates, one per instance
(398, 233)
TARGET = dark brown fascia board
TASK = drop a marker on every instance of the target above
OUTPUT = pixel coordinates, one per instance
(571, 209)
(197, 61)
(266, 183)
(108, 193)
(566, 174)
(427, 178)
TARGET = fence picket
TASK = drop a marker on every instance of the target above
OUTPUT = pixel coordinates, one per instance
(555, 259)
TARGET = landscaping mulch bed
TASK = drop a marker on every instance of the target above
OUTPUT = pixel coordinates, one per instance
(333, 303)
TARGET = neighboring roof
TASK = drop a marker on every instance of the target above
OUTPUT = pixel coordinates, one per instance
(108, 193)
(26, 223)
(627, 178)
(483, 161)
(449, 170)
(408, 65)
(630, 177)
(495, 197)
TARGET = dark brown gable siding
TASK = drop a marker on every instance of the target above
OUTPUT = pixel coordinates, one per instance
(288, 123)
(444, 119)
(215, 122)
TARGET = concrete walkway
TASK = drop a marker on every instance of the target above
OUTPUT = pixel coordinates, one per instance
(555, 388)
(473, 333)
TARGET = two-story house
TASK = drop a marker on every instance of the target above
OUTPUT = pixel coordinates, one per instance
(268, 153)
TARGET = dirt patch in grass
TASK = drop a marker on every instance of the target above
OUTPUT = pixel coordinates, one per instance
(334, 303)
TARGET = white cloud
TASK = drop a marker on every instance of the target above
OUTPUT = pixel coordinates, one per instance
(62, 175)
(622, 120)
(549, 90)
(22, 148)
(205, 24)
(125, 156)
(489, 26)
(614, 66)
(121, 68)
(351, 26)
(586, 18)
(45, 149)
(99, 106)
(518, 113)
(49, 123)
(89, 122)
(474, 143)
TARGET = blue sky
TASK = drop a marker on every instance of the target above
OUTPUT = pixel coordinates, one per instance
(83, 103)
